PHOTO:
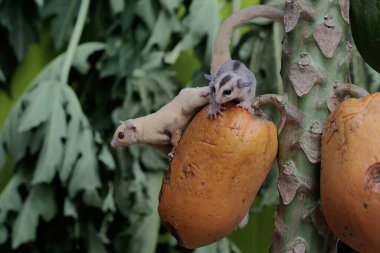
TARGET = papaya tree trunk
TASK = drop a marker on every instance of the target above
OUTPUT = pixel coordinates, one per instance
(315, 58)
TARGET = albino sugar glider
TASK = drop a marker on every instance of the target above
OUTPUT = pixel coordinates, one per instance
(163, 129)
(233, 81)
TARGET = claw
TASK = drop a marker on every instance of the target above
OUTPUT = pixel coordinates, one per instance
(171, 156)
(215, 110)
(248, 108)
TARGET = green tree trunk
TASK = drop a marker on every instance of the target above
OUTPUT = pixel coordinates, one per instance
(315, 57)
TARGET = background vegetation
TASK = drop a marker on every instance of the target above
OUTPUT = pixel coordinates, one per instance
(62, 189)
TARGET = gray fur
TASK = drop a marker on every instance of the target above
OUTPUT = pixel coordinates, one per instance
(235, 78)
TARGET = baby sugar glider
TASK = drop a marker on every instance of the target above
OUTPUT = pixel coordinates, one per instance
(233, 81)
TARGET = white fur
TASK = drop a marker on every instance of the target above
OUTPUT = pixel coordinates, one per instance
(163, 129)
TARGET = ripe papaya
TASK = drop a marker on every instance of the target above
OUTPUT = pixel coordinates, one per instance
(218, 167)
(365, 28)
(350, 175)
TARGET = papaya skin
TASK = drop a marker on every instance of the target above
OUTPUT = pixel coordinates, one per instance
(218, 167)
(350, 176)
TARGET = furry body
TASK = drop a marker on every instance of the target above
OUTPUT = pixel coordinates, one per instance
(233, 81)
(163, 129)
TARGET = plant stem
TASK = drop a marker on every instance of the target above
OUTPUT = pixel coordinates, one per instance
(74, 40)
(315, 56)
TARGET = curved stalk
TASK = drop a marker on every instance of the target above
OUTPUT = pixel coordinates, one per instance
(74, 40)
(221, 51)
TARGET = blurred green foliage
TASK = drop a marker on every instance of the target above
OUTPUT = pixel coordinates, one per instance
(62, 188)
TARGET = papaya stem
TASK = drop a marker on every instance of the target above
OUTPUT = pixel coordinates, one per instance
(288, 112)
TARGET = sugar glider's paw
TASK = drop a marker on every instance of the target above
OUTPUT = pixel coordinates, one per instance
(215, 110)
(204, 93)
(247, 107)
(171, 156)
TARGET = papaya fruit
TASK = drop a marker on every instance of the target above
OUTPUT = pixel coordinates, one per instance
(350, 175)
(365, 28)
(218, 167)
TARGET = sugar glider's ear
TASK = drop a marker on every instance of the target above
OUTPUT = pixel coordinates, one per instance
(241, 84)
(207, 77)
(130, 126)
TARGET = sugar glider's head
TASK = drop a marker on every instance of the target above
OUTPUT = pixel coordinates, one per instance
(230, 86)
(124, 135)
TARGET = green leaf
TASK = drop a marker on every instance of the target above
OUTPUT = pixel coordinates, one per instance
(109, 203)
(152, 159)
(15, 142)
(51, 155)
(171, 5)
(3, 234)
(146, 11)
(202, 21)
(2, 76)
(85, 173)
(64, 14)
(40, 3)
(36, 101)
(106, 158)
(144, 233)
(72, 147)
(10, 199)
(69, 209)
(164, 26)
(80, 61)
(40, 203)
(20, 23)
(53, 70)
(2, 153)
(117, 6)
(95, 244)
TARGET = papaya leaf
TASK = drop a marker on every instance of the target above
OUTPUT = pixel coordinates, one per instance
(2, 154)
(92, 198)
(35, 102)
(117, 6)
(3, 234)
(40, 3)
(69, 209)
(95, 244)
(202, 21)
(106, 158)
(51, 155)
(20, 25)
(10, 199)
(152, 159)
(72, 147)
(80, 61)
(39, 203)
(15, 142)
(53, 70)
(170, 5)
(165, 25)
(144, 234)
(85, 174)
(63, 15)
(109, 203)
(2, 76)
(146, 11)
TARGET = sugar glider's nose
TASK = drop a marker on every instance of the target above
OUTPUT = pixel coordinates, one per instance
(114, 143)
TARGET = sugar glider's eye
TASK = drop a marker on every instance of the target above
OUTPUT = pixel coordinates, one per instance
(120, 135)
(227, 92)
